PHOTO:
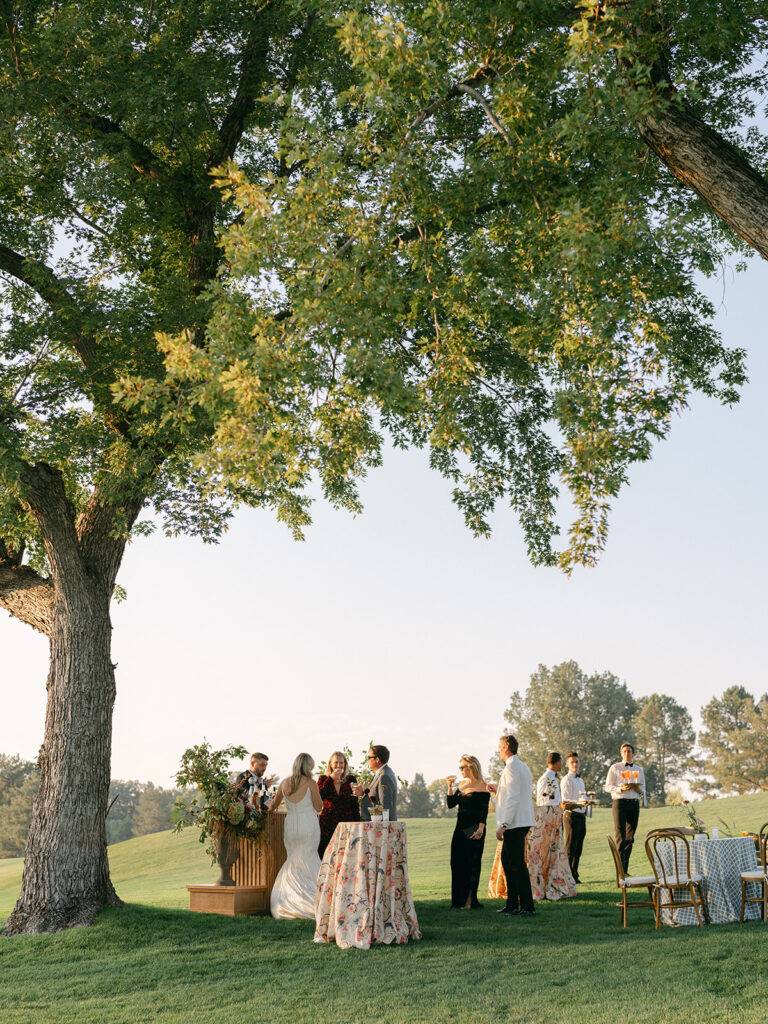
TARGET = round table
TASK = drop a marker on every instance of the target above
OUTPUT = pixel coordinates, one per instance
(363, 894)
(720, 863)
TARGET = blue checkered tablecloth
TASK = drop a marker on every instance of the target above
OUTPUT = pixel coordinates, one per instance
(720, 863)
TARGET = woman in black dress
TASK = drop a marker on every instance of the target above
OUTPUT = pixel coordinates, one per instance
(472, 798)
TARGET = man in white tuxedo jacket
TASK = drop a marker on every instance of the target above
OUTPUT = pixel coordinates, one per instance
(514, 816)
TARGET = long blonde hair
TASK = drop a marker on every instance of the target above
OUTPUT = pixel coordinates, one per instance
(302, 769)
(475, 768)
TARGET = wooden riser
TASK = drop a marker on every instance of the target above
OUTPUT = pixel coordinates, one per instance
(254, 873)
(230, 900)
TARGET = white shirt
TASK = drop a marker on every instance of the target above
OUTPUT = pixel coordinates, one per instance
(573, 790)
(514, 803)
(548, 790)
(614, 781)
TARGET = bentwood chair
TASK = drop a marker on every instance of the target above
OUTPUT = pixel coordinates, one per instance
(760, 877)
(677, 876)
(628, 882)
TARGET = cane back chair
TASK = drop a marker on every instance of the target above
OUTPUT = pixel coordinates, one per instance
(626, 883)
(675, 878)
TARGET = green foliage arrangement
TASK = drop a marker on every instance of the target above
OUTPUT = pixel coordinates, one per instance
(691, 817)
(216, 809)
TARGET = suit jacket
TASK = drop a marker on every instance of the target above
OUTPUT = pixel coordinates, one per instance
(382, 789)
(514, 803)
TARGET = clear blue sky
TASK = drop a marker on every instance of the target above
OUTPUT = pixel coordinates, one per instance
(401, 627)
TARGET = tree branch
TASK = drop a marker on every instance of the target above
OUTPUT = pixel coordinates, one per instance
(232, 127)
(41, 279)
(712, 167)
(23, 592)
(145, 162)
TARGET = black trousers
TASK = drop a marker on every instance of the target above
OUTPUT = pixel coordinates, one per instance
(466, 861)
(516, 870)
(574, 830)
(625, 816)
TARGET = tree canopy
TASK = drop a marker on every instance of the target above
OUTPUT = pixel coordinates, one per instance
(480, 255)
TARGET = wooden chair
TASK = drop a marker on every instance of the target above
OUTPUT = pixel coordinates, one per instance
(760, 877)
(627, 882)
(676, 877)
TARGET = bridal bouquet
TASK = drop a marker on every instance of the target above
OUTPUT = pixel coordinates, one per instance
(216, 808)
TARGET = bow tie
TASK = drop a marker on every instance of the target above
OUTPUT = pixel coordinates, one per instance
(576, 775)
(628, 765)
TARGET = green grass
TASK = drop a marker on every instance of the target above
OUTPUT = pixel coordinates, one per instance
(154, 961)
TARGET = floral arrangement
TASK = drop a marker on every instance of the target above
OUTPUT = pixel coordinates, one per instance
(692, 818)
(222, 812)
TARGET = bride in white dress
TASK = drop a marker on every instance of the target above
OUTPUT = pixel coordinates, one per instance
(293, 894)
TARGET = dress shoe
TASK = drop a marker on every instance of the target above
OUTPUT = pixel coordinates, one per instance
(506, 910)
(526, 913)
(476, 906)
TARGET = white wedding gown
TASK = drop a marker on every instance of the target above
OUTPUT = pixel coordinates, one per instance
(293, 894)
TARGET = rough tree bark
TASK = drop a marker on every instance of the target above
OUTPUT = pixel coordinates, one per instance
(706, 162)
(66, 872)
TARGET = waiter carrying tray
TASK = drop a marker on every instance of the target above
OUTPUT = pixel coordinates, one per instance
(626, 784)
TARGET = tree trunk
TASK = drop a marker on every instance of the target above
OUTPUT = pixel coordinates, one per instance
(66, 872)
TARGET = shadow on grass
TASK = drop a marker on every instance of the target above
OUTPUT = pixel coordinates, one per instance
(591, 919)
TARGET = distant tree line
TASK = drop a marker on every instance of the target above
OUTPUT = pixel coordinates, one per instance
(135, 809)
(563, 708)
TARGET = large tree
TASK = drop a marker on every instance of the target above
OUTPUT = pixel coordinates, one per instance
(664, 737)
(436, 227)
(734, 742)
(112, 117)
(565, 709)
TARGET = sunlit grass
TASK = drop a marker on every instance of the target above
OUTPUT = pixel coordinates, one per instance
(154, 961)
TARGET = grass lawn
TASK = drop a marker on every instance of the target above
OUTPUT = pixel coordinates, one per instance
(154, 961)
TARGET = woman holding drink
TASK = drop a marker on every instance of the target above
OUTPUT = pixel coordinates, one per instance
(339, 802)
(472, 796)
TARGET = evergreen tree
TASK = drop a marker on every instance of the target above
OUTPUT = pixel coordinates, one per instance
(416, 800)
(565, 709)
(734, 742)
(664, 737)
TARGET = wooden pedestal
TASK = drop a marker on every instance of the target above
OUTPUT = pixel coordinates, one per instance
(254, 872)
(232, 900)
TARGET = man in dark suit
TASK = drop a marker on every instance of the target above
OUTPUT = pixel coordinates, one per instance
(382, 789)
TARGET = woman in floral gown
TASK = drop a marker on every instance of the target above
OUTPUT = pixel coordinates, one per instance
(339, 802)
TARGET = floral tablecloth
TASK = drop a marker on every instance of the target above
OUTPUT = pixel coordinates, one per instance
(363, 894)
(547, 861)
(720, 863)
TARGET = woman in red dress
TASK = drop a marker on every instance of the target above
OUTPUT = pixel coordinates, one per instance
(339, 802)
